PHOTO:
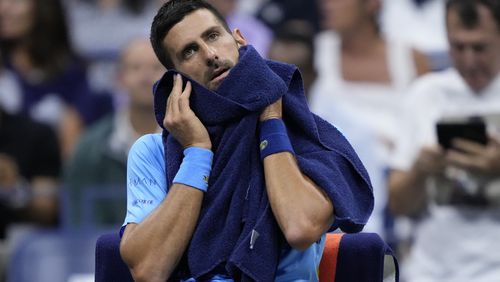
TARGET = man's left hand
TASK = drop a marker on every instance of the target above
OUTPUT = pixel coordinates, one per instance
(272, 111)
(476, 157)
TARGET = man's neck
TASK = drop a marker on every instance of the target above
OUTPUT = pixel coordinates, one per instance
(360, 40)
(142, 120)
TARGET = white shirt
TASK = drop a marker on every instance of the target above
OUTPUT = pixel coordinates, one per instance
(375, 105)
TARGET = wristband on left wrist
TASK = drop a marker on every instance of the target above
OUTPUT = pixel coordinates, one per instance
(274, 138)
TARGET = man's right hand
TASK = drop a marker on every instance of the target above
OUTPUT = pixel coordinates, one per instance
(430, 161)
(407, 193)
(181, 121)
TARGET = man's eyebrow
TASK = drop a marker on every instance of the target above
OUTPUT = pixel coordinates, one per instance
(204, 34)
(209, 30)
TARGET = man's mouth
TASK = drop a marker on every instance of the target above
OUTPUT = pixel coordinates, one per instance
(219, 73)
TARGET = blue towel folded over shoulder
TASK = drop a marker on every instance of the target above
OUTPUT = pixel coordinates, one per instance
(236, 209)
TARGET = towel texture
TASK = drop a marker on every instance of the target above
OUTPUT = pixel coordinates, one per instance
(236, 204)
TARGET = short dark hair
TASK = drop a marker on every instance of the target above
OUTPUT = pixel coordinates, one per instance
(171, 13)
(468, 10)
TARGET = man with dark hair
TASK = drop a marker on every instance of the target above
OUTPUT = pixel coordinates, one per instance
(454, 191)
(245, 181)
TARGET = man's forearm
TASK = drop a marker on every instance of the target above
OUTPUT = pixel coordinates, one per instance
(153, 248)
(303, 211)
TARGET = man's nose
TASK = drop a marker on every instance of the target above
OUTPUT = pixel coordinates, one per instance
(211, 55)
(469, 56)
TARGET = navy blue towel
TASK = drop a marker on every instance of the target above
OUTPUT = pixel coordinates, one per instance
(236, 204)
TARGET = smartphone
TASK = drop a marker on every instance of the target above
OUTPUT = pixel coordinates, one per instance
(473, 129)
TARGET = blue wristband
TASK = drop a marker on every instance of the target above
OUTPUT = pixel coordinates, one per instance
(195, 168)
(274, 138)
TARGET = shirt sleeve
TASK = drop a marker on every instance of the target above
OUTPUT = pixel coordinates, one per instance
(146, 181)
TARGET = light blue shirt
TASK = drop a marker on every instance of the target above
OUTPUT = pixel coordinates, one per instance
(147, 188)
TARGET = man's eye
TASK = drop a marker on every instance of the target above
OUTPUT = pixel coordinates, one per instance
(458, 47)
(213, 36)
(188, 53)
(479, 48)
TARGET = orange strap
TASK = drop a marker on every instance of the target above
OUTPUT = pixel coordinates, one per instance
(328, 264)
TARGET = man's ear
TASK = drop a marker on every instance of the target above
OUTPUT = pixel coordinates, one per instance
(238, 36)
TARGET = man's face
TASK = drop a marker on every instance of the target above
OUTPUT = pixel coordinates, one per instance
(139, 70)
(200, 47)
(475, 52)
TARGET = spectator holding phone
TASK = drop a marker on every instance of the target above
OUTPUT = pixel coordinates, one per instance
(453, 192)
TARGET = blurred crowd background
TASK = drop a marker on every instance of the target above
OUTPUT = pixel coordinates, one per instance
(75, 93)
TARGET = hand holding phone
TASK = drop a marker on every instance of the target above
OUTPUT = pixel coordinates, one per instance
(472, 129)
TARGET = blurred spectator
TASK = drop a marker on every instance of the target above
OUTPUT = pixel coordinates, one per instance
(29, 168)
(455, 192)
(363, 77)
(29, 171)
(100, 29)
(360, 69)
(255, 32)
(99, 163)
(36, 49)
(419, 23)
(275, 12)
(293, 43)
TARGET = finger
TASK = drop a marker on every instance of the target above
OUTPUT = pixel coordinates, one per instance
(433, 151)
(169, 98)
(184, 99)
(174, 96)
(177, 88)
(459, 159)
(468, 146)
